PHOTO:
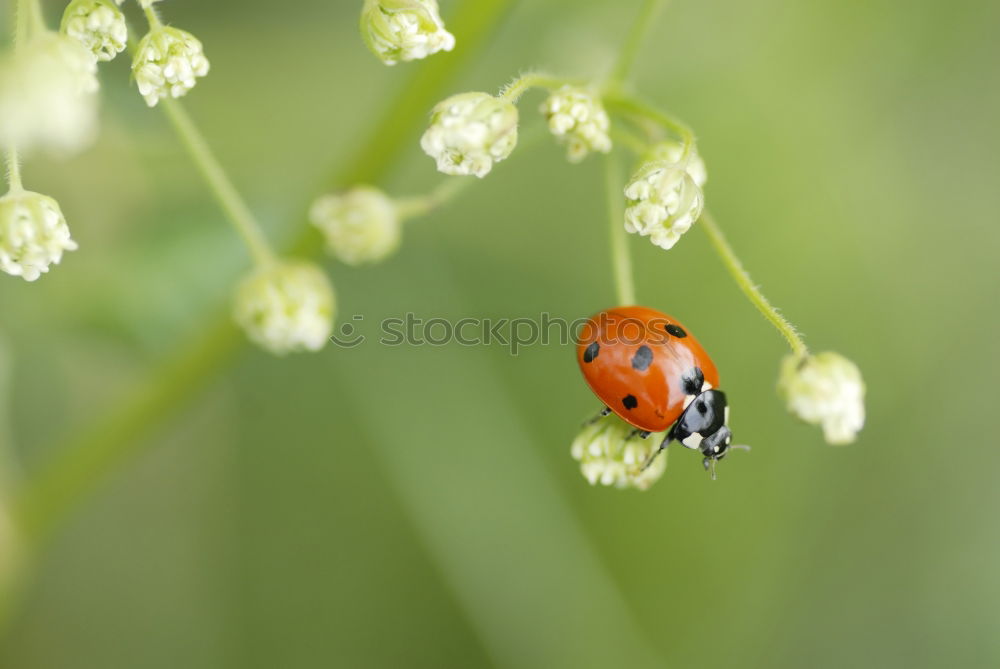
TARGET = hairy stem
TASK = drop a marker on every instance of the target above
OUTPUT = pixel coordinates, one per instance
(215, 176)
(14, 170)
(621, 261)
(513, 91)
(749, 288)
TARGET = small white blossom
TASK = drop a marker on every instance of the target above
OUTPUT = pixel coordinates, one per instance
(47, 95)
(33, 234)
(396, 30)
(168, 62)
(825, 389)
(577, 117)
(361, 225)
(610, 456)
(469, 132)
(98, 25)
(286, 307)
(665, 196)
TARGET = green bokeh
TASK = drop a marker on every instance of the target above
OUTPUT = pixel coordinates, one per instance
(417, 506)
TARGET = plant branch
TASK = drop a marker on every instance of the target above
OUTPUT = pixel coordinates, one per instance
(621, 261)
(749, 288)
(215, 176)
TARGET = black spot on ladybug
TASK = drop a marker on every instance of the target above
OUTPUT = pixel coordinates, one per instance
(642, 358)
(692, 381)
(630, 402)
(675, 330)
(591, 352)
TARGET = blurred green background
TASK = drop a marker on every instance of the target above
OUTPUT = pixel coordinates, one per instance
(417, 506)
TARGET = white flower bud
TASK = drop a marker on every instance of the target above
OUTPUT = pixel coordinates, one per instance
(47, 95)
(610, 456)
(287, 307)
(825, 389)
(168, 62)
(361, 225)
(98, 25)
(577, 117)
(665, 196)
(469, 132)
(398, 30)
(33, 234)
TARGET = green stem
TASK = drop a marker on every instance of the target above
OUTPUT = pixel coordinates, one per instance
(152, 16)
(96, 449)
(635, 144)
(421, 205)
(515, 89)
(621, 261)
(633, 43)
(14, 170)
(32, 9)
(749, 288)
(635, 107)
(229, 198)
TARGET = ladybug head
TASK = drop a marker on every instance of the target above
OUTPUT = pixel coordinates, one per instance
(703, 426)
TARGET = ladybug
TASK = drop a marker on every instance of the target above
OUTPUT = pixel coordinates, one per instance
(652, 373)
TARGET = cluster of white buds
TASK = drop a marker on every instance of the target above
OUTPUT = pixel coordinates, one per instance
(47, 94)
(168, 62)
(825, 389)
(286, 307)
(400, 30)
(610, 453)
(98, 25)
(665, 196)
(33, 234)
(577, 117)
(361, 225)
(469, 132)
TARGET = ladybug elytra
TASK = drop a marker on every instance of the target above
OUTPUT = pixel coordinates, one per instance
(651, 372)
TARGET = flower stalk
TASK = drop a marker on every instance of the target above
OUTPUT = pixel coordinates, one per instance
(232, 203)
(742, 278)
(621, 259)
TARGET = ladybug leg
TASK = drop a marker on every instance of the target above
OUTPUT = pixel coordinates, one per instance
(663, 446)
(604, 412)
(642, 434)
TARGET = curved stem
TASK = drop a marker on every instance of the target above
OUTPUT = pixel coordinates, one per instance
(227, 195)
(633, 43)
(515, 89)
(634, 143)
(421, 205)
(749, 288)
(635, 107)
(621, 261)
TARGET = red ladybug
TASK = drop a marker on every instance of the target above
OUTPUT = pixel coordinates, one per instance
(650, 371)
